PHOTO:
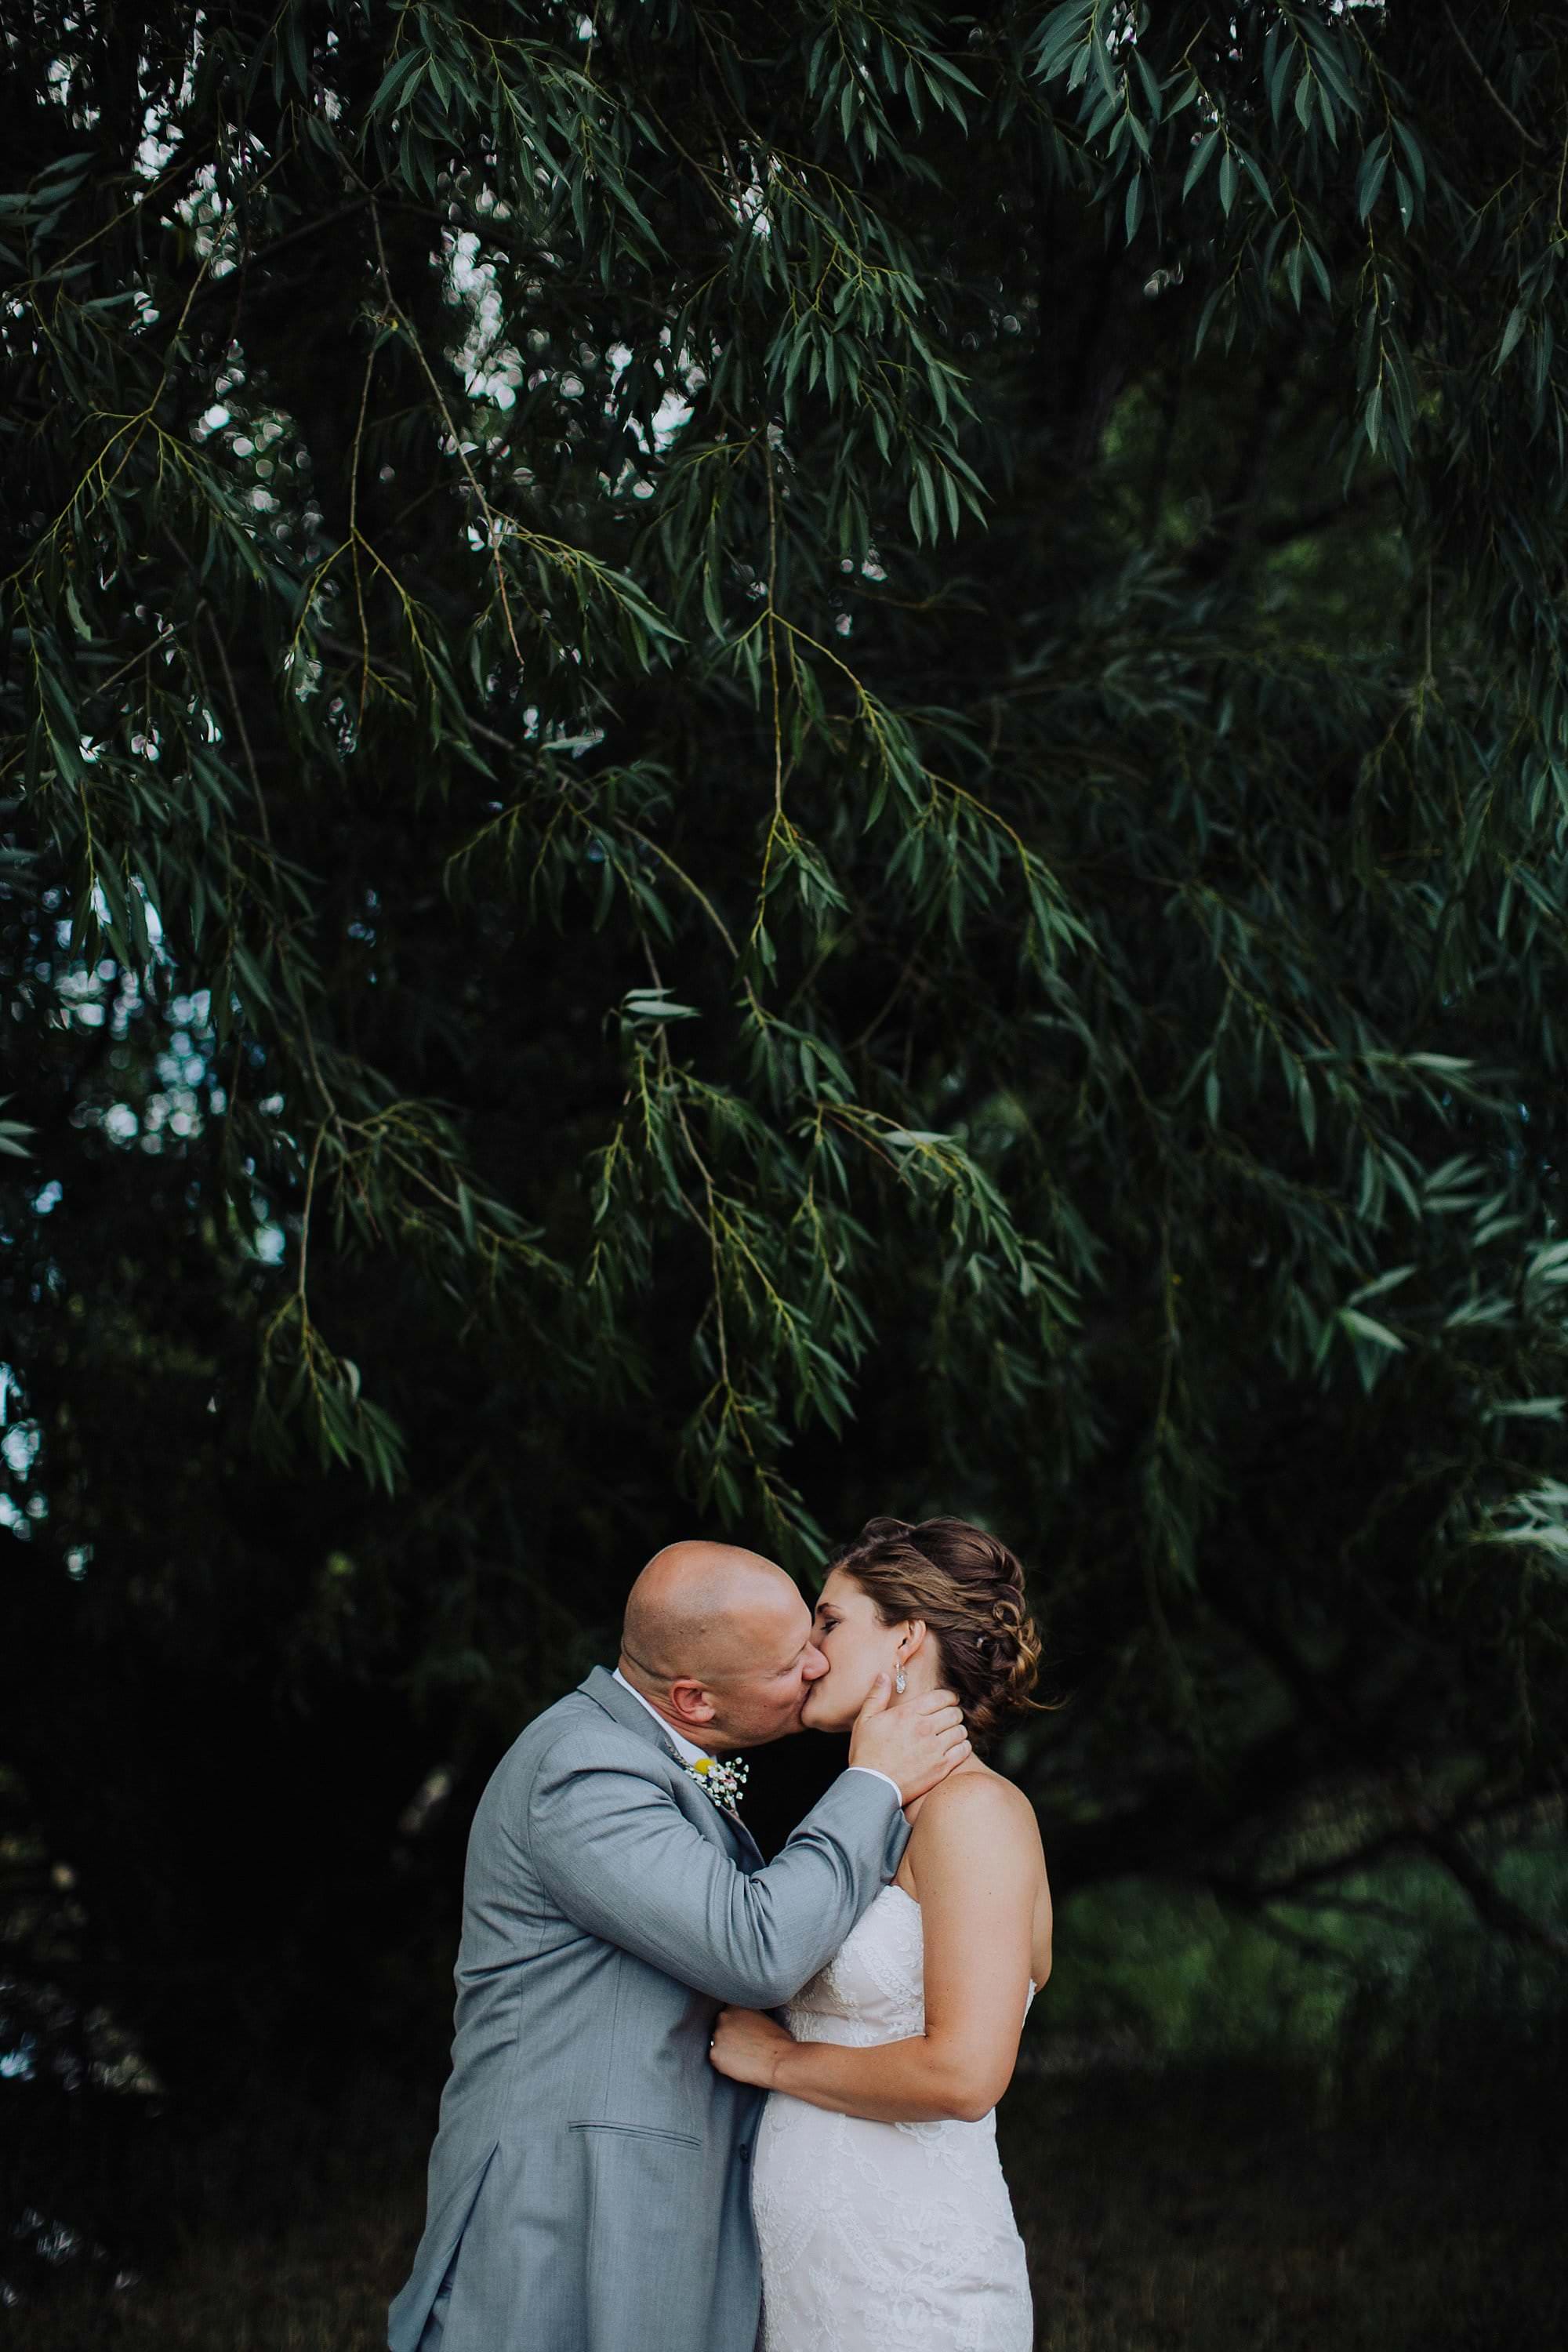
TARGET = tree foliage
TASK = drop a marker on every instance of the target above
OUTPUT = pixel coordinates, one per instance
(813, 759)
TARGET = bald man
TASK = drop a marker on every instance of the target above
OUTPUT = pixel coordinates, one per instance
(589, 2190)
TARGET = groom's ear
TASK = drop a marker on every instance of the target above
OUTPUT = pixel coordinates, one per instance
(690, 1702)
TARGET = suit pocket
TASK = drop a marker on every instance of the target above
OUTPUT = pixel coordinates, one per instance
(647, 2239)
(642, 2131)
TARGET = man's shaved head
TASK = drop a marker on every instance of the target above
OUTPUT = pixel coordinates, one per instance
(706, 1610)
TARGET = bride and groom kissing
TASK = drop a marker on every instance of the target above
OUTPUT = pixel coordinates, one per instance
(635, 2153)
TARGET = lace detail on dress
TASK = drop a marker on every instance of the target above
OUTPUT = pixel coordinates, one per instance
(873, 1989)
(883, 2236)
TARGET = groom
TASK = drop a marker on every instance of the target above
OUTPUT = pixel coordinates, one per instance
(589, 2190)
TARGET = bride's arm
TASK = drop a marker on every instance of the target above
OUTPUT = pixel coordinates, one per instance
(975, 1858)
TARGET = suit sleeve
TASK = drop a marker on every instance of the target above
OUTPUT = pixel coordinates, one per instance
(615, 1850)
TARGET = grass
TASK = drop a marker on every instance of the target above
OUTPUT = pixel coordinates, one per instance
(1210, 2211)
(1206, 2208)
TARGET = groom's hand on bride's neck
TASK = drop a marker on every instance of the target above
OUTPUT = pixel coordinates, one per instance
(916, 1743)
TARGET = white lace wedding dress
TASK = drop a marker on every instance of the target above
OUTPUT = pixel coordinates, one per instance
(883, 2236)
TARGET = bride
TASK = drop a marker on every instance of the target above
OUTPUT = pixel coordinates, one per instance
(883, 2218)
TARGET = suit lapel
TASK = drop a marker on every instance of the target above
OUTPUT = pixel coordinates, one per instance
(751, 1852)
(629, 1712)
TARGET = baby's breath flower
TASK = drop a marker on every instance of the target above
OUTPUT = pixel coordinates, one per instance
(722, 1778)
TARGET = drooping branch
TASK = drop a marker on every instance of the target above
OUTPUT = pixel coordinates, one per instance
(1446, 1842)
(1423, 1827)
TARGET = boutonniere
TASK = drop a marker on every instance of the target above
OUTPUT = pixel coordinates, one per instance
(722, 1779)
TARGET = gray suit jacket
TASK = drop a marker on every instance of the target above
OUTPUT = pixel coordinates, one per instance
(589, 2190)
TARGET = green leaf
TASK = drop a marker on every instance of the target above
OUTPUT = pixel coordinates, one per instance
(11, 1134)
(1370, 178)
(1412, 155)
(1390, 1280)
(1228, 179)
(399, 79)
(1364, 1328)
(1202, 155)
(656, 1004)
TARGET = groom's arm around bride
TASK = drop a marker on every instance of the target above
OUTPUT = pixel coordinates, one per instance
(588, 2185)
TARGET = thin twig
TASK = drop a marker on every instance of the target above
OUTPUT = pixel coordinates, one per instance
(240, 728)
(1487, 85)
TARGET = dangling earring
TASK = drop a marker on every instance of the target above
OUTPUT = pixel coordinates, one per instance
(901, 1680)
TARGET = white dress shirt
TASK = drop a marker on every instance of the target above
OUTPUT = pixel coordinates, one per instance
(689, 1752)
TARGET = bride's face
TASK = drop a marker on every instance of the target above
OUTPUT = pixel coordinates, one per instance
(857, 1646)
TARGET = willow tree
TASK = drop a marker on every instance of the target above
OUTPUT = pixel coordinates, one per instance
(761, 763)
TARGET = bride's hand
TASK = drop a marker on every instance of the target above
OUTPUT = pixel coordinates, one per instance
(745, 2046)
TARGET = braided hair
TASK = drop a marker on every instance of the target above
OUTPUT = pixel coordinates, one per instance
(969, 1589)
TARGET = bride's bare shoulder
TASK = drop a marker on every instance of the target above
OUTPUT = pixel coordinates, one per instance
(971, 1801)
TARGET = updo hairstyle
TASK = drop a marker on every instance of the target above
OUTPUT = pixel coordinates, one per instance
(969, 1589)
